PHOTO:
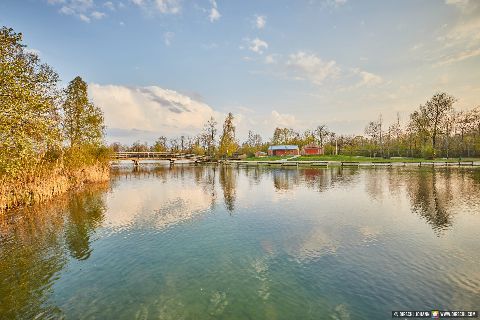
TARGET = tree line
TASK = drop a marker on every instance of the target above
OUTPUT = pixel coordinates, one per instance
(435, 129)
(42, 124)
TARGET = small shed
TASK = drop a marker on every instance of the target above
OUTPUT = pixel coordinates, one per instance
(312, 149)
(260, 154)
(283, 150)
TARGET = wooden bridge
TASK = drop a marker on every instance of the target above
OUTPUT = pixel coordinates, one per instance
(150, 155)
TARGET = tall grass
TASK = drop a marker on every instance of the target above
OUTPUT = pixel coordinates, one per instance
(51, 177)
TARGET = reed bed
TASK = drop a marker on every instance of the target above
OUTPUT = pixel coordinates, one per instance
(42, 183)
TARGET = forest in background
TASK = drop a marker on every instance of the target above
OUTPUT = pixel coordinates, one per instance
(434, 130)
(52, 138)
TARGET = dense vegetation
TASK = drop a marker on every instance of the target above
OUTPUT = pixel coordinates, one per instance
(436, 129)
(49, 138)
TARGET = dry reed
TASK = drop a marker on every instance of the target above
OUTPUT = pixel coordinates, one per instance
(43, 183)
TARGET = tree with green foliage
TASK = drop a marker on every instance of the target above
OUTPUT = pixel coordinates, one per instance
(29, 118)
(83, 121)
(434, 114)
(160, 144)
(285, 136)
(252, 144)
(228, 145)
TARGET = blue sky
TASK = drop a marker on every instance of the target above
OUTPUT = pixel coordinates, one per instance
(163, 67)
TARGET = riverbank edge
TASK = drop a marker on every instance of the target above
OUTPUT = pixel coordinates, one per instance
(27, 191)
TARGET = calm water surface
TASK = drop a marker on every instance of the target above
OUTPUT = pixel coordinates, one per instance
(247, 243)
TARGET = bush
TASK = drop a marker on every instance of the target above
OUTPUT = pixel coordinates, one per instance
(79, 156)
(428, 152)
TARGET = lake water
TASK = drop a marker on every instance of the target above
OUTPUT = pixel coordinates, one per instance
(247, 243)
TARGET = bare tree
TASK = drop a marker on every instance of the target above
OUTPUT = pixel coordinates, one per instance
(321, 133)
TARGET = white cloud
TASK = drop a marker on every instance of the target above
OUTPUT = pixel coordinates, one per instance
(457, 39)
(151, 108)
(162, 6)
(82, 9)
(467, 30)
(168, 6)
(461, 4)
(167, 38)
(258, 46)
(97, 15)
(84, 18)
(78, 6)
(109, 5)
(214, 14)
(263, 123)
(260, 22)
(460, 56)
(368, 79)
(468, 27)
(284, 120)
(305, 66)
(333, 3)
(67, 10)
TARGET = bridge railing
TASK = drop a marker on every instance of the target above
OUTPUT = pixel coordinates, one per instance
(150, 155)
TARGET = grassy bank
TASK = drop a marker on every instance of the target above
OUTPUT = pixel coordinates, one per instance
(47, 182)
(358, 159)
(271, 158)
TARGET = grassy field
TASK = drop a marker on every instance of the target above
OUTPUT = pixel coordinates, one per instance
(358, 159)
(271, 158)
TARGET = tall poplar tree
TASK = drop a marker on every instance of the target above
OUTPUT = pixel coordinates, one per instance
(228, 144)
(83, 121)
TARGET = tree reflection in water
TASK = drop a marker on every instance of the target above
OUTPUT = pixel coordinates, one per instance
(32, 250)
(86, 213)
(436, 194)
(323, 179)
(38, 244)
(285, 178)
(228, 182)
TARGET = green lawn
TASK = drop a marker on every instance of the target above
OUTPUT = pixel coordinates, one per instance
(269, 158)
(357, 159)
(378, 159)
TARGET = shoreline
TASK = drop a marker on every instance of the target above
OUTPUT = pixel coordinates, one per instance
(316, 163)
(26, 191)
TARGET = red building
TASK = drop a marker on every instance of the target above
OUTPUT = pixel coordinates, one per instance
(312, 149)
(283, 150)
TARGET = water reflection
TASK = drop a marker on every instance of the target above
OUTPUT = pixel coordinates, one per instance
(431, 196)
(228, 181)
(190, 241)
(86, 213)
(32, 250)
(437, 195)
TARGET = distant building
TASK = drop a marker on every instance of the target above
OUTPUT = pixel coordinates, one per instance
(260, 154)
(283, 150)
(312, 149)
(238, 156)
